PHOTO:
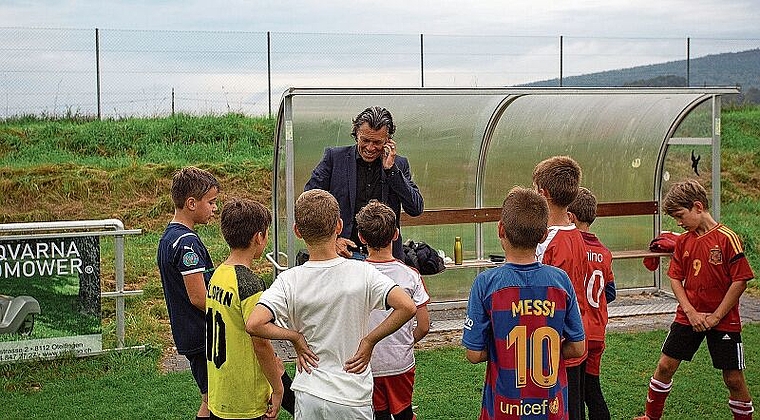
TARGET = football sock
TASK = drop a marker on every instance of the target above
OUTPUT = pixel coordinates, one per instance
(288, 397)
(405, 414)
(742, 410)
(383, 415)
(576, 379)
(597, 406)
(658, 392)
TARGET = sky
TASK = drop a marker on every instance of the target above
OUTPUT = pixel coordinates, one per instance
(608, 18)
(210, 56)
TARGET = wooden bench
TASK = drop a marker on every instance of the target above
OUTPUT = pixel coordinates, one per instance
(493, 214)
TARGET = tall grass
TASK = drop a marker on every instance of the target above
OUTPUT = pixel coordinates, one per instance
(180, 140)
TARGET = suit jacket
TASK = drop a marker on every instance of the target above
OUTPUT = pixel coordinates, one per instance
(336, 173)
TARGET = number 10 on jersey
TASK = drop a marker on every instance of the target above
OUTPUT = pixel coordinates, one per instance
(540, 351)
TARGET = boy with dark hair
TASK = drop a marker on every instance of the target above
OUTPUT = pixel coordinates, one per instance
(599, 290)
(326, 303)
(523, 318)
(393, 364)
(185, 267)
(243, 371)
(558, 179)
(708, 273)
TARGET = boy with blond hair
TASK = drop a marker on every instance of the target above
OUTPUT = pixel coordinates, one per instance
(558, 179)
(185, 266)
(599, 291)
(523, 318)
(325, 305)
(243, 371)
(393, 363)
(708, 273)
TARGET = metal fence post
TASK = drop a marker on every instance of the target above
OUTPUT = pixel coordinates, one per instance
(97, 69)
(560, 60)
(269, 72)
(119, 273)
(688, 62)
(422, 62)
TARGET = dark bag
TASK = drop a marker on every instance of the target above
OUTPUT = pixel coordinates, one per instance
(302, 256)
(423, 257)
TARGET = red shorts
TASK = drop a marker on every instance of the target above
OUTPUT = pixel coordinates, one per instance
(393, 393)
(594, 360)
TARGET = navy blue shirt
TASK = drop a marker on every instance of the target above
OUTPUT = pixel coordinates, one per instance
(181, 252)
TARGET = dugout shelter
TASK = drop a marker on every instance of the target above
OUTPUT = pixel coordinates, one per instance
(468, 147)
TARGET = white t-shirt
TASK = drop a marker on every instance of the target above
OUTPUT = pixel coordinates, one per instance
(329, 302)
(394, 354)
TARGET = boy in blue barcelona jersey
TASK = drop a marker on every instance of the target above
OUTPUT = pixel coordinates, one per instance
(523, 319)
(186, 266)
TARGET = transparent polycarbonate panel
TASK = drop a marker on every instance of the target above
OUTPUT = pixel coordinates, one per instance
(441, 237)
(627, 233)
(281, 228)
(452, 284)
(631, 274)
(615, 138)
(698, 123)
(439, 134)
(687, 162)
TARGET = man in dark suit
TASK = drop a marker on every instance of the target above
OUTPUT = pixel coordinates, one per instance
(367, 170)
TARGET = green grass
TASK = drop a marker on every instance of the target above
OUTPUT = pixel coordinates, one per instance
(127, 385)
(117, 385)
(77, 168)
(58, 297)
(111, 144)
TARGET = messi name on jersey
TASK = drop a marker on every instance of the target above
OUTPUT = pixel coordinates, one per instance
(533, 307)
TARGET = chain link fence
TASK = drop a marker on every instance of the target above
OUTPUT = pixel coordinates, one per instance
(123, 73)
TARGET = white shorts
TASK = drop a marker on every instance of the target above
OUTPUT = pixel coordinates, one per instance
(309, 407)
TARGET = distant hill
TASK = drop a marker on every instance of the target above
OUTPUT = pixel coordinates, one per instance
(727, 69)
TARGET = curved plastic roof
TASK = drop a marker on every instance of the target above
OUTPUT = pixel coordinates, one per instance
(468, 147)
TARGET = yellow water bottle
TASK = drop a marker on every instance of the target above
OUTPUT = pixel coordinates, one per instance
(458, 250)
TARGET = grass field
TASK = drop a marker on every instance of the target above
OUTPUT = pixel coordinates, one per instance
(79, 169)
(59, 296)
(128, 385)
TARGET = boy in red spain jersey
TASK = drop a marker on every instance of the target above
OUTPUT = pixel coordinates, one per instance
(523, 319)
(600, 290)
(708, 273)
(558, 180)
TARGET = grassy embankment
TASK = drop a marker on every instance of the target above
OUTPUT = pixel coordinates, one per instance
(68, 170)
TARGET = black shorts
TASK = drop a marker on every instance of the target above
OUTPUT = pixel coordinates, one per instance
(726, 348)
(199, 369)
(213, 416)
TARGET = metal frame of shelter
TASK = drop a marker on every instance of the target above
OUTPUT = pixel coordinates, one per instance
(509, 111)
(84, 228)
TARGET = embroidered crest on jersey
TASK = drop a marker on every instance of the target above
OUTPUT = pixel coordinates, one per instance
(554, 406)
(190, 258)
(716, 256)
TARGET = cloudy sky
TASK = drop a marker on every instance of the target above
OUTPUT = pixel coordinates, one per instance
(213, 54)
(609, 18)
